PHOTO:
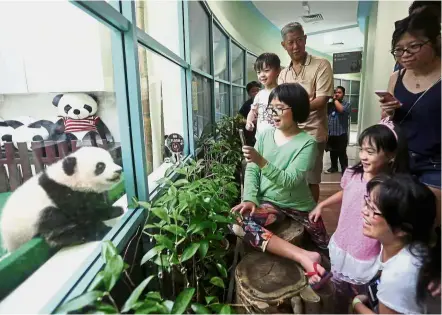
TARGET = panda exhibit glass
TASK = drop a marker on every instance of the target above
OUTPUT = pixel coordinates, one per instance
(162, 94)
(59, 129)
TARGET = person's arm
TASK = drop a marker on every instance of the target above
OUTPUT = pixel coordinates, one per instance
(342, 107)
(332, 200)
(295, 172)
(252, 178)
(324, 86)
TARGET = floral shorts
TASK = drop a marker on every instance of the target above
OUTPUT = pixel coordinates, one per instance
(253, 229)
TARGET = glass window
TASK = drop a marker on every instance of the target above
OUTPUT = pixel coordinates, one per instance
(354, 101)
(354, 87)
(238, 98)
(167, 27)
(199, 36)
(251, 73)
(337, 82)
(162, 96)
(201, 104)
(220, 54)
(222, 100)
(346, 85)
(237, 65)
(78, 73)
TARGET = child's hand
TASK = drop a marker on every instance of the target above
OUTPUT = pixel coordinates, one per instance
(250, 126)
(315, 214)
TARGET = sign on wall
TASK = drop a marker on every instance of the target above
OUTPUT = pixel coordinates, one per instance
(347, 62)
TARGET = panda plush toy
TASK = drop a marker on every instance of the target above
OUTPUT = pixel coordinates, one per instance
(36, 131)
(64, 204)
(7, 128)
(78, 118)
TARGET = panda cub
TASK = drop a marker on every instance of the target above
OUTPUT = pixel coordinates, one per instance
(64, 204)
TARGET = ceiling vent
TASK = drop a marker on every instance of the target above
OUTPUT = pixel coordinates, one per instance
(337, 43)
(312, 18)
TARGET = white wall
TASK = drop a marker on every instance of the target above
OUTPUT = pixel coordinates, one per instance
(378, 62)
(39, 106)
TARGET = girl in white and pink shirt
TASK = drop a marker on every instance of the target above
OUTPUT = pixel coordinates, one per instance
(353, 256)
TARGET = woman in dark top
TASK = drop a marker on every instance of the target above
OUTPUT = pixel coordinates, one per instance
(417, 87)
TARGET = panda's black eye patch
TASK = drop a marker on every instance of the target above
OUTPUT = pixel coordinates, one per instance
(67, 108)
(88, 108)
(99, 168)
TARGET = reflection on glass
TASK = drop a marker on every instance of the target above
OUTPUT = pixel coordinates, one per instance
(238, 98)
(54, 53)
(251, 73)
(201, 104)
(354, 102)
(220, 54)
(237, 65)
(199, 36)
(222, 100)
(166, 27)
(162, 102)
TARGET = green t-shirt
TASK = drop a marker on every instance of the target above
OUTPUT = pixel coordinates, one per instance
(282, 181)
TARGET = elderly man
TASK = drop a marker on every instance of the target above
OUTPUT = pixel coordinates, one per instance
(316, 76)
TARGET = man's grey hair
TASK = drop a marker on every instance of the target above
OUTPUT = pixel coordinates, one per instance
(290, 28)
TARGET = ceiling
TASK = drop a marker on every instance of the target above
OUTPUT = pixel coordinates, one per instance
(339, 24)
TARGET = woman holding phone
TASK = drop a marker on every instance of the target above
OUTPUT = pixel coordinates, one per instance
(417, 92)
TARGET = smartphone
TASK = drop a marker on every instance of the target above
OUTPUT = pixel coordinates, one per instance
(242, 137)
(373, 291)
(386, 95)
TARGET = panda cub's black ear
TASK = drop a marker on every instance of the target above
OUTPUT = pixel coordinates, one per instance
(69, 164)
(57, 99)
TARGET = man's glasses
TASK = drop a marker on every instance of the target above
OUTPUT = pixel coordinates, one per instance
(369, 207)
(412, 49)
(276, 111)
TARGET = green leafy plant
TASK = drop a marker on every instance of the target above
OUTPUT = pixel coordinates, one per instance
(98, 298)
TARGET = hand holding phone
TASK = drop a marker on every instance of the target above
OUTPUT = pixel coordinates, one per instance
(387, 97)
(388, 103)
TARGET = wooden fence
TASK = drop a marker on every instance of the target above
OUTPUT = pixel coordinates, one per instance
(18, 165)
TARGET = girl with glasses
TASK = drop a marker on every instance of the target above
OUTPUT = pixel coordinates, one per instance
(353, 256)
(399, 213)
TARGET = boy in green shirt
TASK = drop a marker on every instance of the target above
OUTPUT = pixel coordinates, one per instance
(275, 183)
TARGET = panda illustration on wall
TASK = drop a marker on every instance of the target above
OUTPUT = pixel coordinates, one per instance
(78, 118)
(64, 204)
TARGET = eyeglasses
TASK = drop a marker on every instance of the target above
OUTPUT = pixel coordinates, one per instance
(369, 207)
(276, 111)
(412, 49)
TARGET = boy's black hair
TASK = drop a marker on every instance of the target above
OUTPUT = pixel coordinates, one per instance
(251, 85)
(436, 5)
(267, 59)
(295, 96)
(383, 139)
(341, 88)
(409, 206)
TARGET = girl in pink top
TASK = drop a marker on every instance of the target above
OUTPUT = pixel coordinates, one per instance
(353, 256)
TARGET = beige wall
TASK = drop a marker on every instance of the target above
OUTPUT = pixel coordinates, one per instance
(378, 63)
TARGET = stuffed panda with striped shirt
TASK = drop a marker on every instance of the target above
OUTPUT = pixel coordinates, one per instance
(78, 119)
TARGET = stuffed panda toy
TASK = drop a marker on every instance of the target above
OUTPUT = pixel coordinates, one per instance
(64, 204)
(7, 128)
(36, 131)
(78, 118)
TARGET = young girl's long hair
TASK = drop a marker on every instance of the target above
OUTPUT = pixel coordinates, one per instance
(410, 206)
(386, 138)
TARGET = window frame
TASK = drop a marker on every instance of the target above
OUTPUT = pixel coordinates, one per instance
(120, 18)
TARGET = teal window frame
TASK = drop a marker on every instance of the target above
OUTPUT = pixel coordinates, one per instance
(120, 18)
